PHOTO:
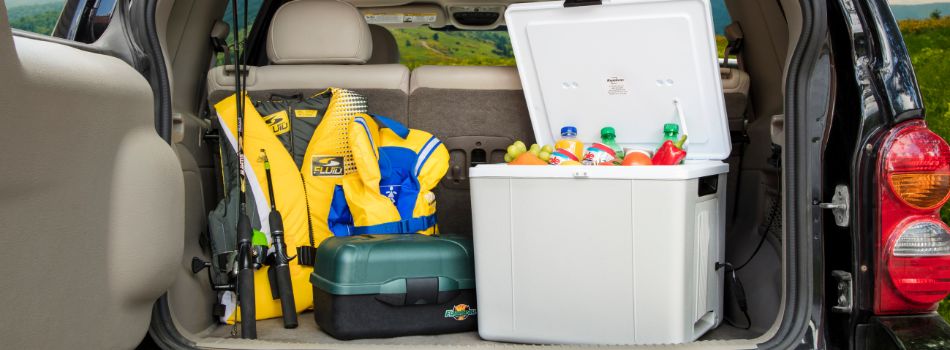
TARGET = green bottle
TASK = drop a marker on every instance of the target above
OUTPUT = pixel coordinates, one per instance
(608, 137)
(670, 132)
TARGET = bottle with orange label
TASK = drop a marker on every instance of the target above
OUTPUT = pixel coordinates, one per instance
(570, 142)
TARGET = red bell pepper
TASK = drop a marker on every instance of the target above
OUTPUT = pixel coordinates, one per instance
(670, 153)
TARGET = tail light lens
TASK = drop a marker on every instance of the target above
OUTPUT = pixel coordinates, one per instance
(913, 260)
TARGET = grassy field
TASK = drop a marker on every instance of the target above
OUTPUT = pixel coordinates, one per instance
(424, 46)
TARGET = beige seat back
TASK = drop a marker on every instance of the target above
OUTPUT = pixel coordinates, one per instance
(316, 44)
(735, 89)
(476, 112)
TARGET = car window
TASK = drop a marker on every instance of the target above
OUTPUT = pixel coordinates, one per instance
(721, 19)
(425, 46)
(79, 20)
(36, 16)
(254, 6)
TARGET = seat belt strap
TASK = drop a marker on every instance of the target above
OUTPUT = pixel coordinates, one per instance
(734, 37)
(219, 40)
(405, 226)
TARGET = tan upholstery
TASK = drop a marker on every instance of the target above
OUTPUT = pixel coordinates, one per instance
(456, 103)
(735, 89)
(465, 77)
(385, 49)
(765, 46)
(316, 44)
(318, 32)
(92, 210)
(301, 77)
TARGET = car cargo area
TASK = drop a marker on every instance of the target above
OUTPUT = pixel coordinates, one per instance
(271, 333)
(476, 112)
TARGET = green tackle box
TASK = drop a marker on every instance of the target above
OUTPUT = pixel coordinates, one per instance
(379, 286)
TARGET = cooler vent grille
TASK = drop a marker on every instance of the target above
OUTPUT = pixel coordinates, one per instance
(701, 261)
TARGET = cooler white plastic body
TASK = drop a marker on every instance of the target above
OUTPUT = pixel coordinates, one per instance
(608, 254)
(598, 255)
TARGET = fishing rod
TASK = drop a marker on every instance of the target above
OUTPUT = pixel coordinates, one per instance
(245, 248)
(279, 272)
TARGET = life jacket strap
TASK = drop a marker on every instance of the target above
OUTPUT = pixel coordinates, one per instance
(405, 226)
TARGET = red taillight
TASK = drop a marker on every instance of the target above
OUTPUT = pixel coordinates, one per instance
(913, 253)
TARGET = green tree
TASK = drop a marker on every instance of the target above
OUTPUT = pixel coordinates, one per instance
(408, 43)
(435, 36)
(935, 14)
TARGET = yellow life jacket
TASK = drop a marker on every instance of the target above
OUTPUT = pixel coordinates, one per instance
(397, 168)
(303, 194)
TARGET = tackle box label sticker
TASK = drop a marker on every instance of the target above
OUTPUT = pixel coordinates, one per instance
(460, 312)
(395, 18)
(616, 86)
(278, 123)
(305, 113)
(327, 166)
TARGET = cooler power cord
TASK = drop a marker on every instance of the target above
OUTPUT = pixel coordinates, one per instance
(738, 290)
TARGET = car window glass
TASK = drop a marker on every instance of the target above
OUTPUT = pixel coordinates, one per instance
(425, 46)
(36, 16)
(721, 19)
(254, 6)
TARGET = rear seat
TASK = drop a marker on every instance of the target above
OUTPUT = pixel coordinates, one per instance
(735, 89)
(316, 44)
(476, 112)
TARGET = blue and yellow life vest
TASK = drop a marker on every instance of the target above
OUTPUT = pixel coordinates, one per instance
(397, 168)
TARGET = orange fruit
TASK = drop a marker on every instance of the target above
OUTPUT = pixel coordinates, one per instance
(637, 158)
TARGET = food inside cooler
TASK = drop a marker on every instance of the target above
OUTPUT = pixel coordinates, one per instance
(607, 152)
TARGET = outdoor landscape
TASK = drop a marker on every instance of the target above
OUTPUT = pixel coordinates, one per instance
(925, 27)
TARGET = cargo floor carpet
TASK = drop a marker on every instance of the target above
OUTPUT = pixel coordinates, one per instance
(309, 333)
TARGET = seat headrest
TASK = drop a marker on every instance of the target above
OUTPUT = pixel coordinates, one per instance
(318, 32)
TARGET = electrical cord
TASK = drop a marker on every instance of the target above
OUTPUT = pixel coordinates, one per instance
(773, 212)
(738, 290)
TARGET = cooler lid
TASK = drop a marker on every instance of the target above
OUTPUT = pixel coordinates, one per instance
(630, 64)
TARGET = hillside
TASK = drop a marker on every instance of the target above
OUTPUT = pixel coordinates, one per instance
(36, 18)
(420, 46)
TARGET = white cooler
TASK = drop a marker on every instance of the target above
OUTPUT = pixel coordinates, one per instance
(600, 254)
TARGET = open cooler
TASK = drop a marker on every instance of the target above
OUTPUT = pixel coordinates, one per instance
(608, 254)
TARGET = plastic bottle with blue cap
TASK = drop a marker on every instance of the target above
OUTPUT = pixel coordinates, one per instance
(569, 142)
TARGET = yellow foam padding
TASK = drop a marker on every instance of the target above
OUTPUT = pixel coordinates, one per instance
(291, 194)
(368, 206)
